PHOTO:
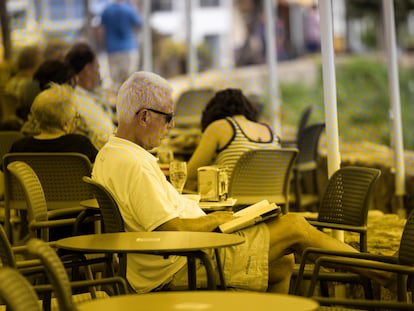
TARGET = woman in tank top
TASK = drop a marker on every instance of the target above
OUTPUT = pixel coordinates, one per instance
(229, 128)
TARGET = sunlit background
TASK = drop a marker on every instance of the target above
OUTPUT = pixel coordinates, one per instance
(231, 45)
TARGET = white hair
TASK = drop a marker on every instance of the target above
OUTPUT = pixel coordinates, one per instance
(54, 107)
(142, 90)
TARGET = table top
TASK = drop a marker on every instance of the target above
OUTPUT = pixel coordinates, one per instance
(155, 242)
(205, 301)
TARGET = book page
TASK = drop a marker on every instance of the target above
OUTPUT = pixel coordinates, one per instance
(256, 214)
(252, 208)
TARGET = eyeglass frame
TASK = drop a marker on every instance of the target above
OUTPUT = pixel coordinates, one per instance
(169, 116)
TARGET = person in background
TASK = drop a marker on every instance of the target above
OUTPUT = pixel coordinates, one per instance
(120, 21)
(50, 71)
(312, 30)
(230, 127)
(148, 202)
(21, 84)
(55, 114)
(96, 120)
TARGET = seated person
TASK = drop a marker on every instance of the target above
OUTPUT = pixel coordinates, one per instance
(55, 115)
(96, 122)
(148, 202)
(49, 71)
(21, 85)
(229, 128)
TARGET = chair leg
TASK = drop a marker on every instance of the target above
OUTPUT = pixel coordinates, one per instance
(220, 270)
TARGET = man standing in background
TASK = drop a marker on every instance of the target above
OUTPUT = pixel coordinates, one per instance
(120, 21)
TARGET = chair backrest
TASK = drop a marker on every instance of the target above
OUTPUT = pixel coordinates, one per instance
(112, 219)
(263, 174)
(306, 167)
(55, 271)
(16, 292)
(308, 143)
(60, 174)
(190, 105)
(7, 138)
(348, 195)
(6, 252)
(33, 192)
(406, 251)
(303, 121)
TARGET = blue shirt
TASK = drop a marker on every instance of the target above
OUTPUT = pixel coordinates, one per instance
(120, 21)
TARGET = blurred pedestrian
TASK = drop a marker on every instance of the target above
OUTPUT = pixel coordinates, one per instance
(120, 21)
(312, 30)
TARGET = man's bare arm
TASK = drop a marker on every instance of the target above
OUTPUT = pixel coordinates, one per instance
(206, 223)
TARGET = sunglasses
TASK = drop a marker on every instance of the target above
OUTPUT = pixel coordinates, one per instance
(168, 116)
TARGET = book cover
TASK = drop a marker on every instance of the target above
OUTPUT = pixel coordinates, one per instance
(250, 216)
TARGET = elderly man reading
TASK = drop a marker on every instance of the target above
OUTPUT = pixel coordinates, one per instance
(148, 202)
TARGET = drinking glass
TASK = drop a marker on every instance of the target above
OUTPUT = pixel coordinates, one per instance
(178, 174)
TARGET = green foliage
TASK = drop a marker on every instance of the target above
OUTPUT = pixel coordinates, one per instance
(362, 101)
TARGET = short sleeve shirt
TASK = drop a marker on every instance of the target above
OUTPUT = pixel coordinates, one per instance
(146, 200)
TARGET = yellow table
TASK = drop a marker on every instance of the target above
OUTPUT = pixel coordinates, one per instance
(203, 301)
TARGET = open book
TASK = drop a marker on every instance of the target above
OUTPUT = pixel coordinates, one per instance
(250, 216)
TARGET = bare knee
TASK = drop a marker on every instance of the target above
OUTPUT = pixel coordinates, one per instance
(291, 225)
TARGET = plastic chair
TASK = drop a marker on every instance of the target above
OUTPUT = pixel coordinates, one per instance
(60, 175)
(39, 218)
(190, 105)
(346, 201)
(302, 124)
(59, 279)
(400, 264)
(113, 222)
(7, 138)
(305, 171)
(16, 292)
(344, 206)
(263, 174)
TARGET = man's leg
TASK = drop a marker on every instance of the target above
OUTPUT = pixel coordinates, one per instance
(280, 272)
(292, 233)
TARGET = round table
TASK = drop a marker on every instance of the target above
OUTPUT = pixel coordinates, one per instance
(155, 242)
(181, 243)
(201, 301)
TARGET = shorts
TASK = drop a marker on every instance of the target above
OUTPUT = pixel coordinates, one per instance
(245, 266)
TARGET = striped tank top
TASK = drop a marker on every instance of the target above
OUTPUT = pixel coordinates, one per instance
(240, 143)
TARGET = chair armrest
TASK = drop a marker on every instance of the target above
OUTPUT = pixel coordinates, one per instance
(312, 252)
(64, 211)
(288, 143)
(328, 225)
(306, 166)
(108, 280)
(346, 263)
(42, 288)
(51, 223)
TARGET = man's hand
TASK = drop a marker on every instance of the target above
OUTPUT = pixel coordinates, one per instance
(222, 217)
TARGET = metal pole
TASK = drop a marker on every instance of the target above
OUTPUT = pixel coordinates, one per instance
(147, 40)
(5, 30)
(271, 55)
(395, 111)
(329, 88)
(191, 49)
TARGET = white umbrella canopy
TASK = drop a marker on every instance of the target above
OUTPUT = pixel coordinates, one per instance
(395, 104)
